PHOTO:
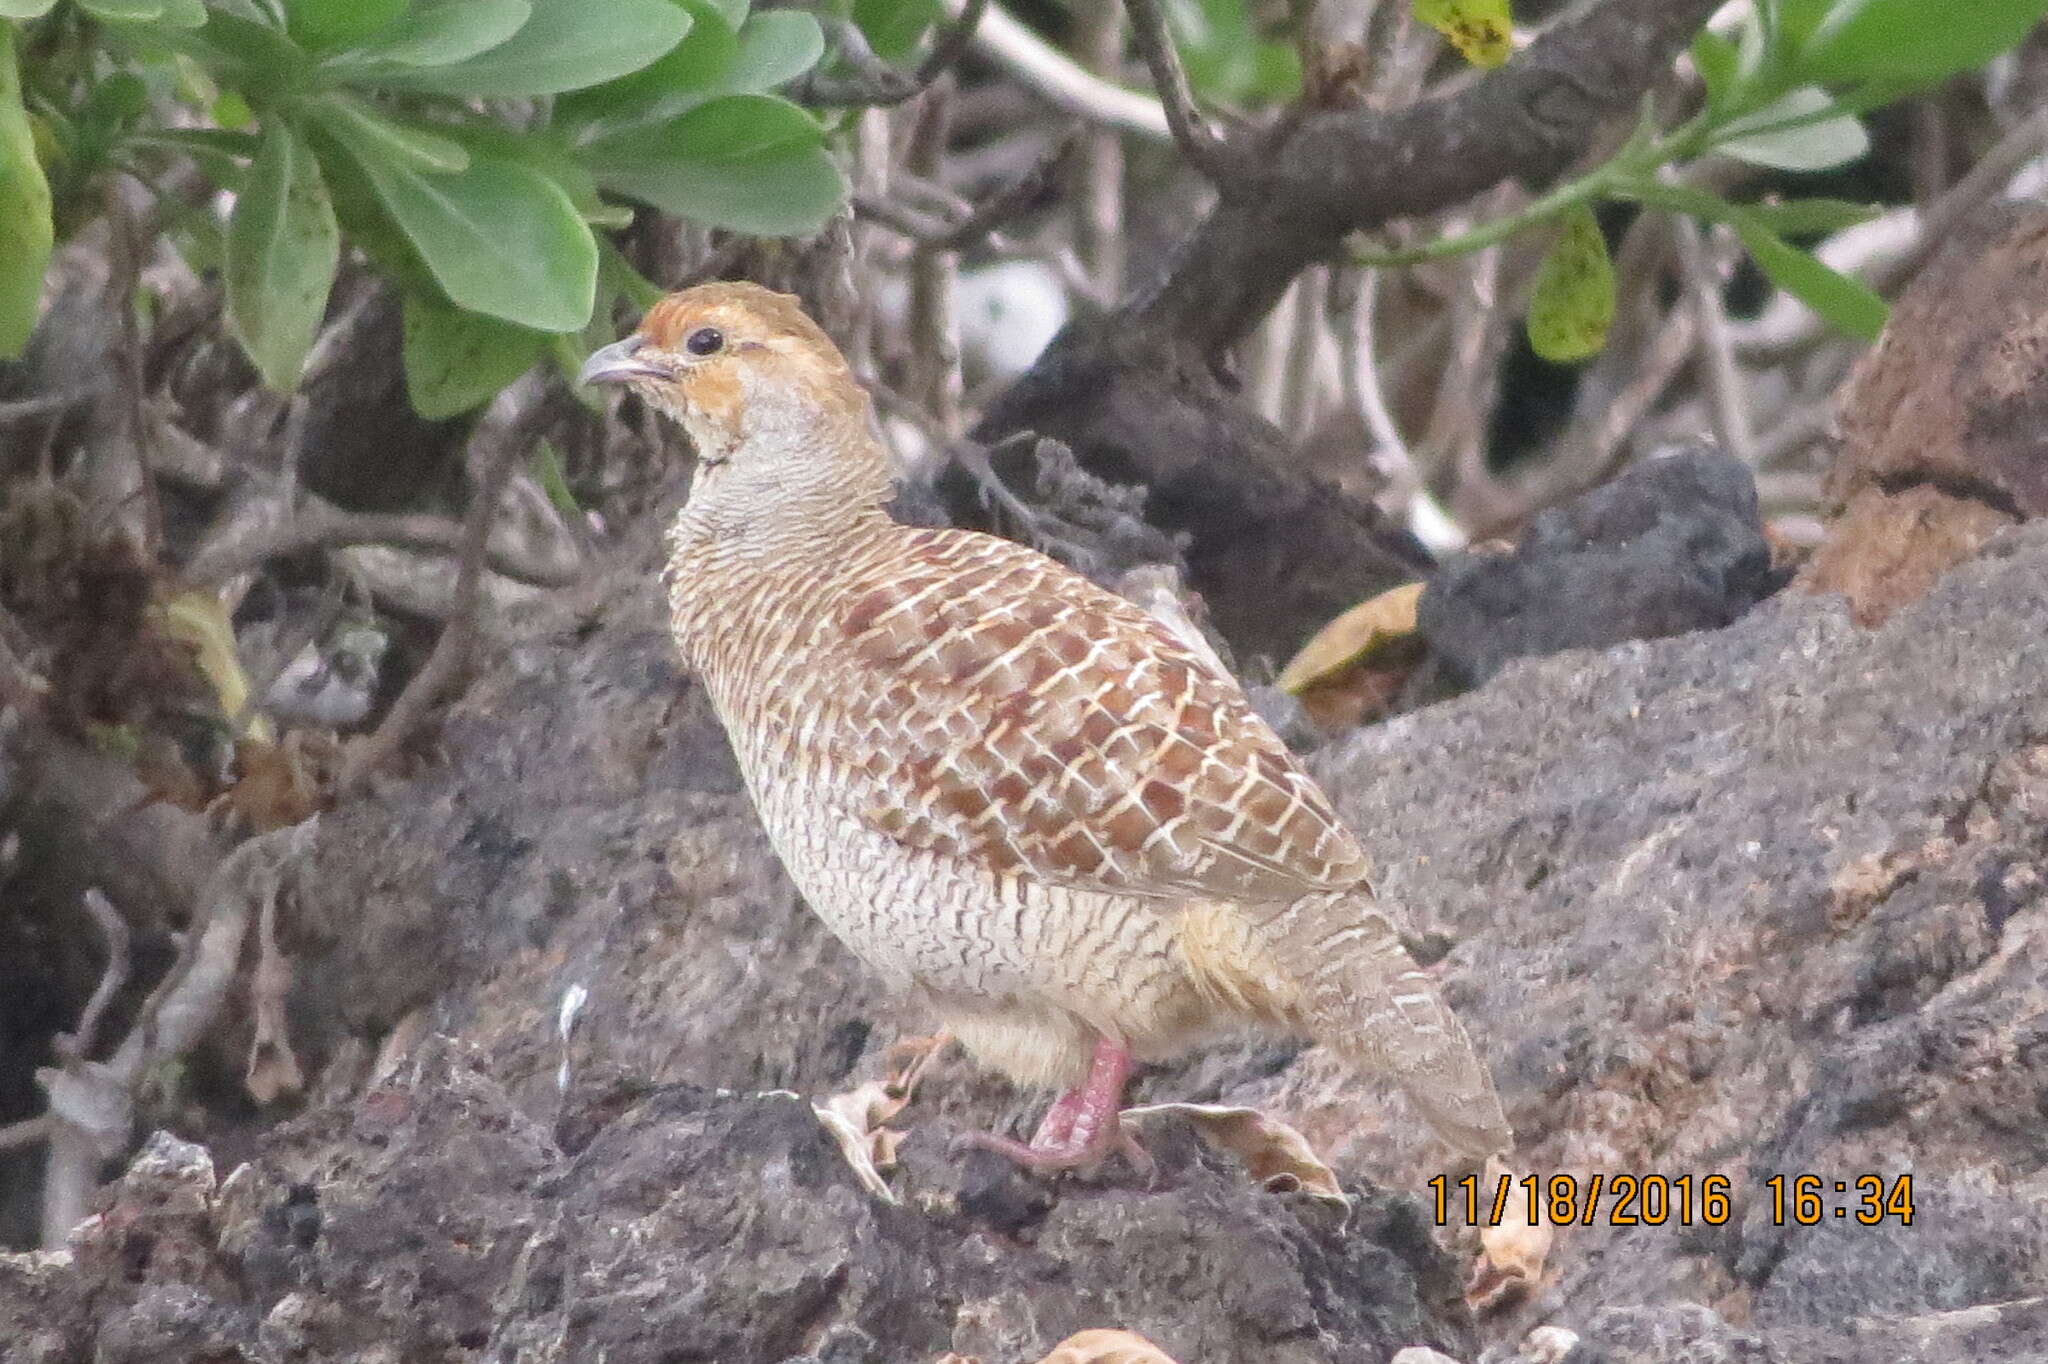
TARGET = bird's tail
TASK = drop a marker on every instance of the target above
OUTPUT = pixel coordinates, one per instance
(1332, 965)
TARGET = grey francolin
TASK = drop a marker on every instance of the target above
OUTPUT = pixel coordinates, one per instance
(1007, 789)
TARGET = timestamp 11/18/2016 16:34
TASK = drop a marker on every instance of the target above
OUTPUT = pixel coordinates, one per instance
(1655, 1200)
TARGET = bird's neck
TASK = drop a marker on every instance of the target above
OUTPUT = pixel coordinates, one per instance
(768, 523)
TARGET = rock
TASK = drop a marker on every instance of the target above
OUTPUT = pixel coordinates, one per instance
(1673, 544)
(1955, 393)
(1943, 426)
(712, 1225)
(1766, 900)
(1771, 900)
(1886, 550)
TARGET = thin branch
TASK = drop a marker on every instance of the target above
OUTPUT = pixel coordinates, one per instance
(1055, 78)
(980, 221)
(1198, 142)
(27, 1132)
(319, 525)
(78, 1043)
(506, 442)
(1726, 393)
(1332, 172)
(874, 81)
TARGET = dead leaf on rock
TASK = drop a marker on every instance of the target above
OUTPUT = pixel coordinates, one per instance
(858, 1147)
(858, 1116)
(1350, 637)
(1107, 1347)
(1511, 1252)
(1277, 1156)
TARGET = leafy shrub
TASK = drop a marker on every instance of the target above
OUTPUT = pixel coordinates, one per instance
(466, 147)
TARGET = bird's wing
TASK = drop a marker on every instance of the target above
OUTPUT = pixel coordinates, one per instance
(1015, 714)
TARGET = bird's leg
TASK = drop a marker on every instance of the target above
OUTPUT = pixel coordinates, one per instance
(1081, 1128)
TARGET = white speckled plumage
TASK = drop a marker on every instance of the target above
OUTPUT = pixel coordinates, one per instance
(1002, 786)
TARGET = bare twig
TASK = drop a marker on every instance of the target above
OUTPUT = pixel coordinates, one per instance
(92, 1103)
(1198, 142)
(1726, 394)
(27, 1132)
(1099, 181)
(507, 440)
(320, 525)
(975, 224)
(78, 1043)
(874, 81)
(1055, 78)
(27, 409)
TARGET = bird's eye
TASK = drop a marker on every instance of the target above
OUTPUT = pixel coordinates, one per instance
(705, 341)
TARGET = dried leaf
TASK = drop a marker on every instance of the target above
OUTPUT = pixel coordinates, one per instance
(856, 1145)
(1277, 1156)
(1107, 1347)
(1481, 30)
(1360, 631)
(1512, 1252)
(279, 785)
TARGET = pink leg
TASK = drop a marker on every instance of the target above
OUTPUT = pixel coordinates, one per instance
(1081, 1127)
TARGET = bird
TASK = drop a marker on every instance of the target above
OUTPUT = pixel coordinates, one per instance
(1011, 792)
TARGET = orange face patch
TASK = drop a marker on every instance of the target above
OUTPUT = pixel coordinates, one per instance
(714, 391)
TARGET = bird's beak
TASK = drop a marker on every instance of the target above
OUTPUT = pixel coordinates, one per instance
(619, 363)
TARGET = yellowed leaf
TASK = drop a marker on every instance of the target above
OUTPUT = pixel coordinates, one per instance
(1572, 304)
(1366, 627)
(1277, 1156)
(1106, 1347)
(1483, 31)
(200, 619)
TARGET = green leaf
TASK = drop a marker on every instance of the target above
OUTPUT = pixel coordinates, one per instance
(25, 228)
(775, 46)
(184, 13)
(682, 78)
(558, 48)
(441, 32)
(1795, 132)
(261, 62)
(734, 12)
(1808, 217)
(456, 360)
(1572, 305)
(1846, 303)
(319, 25)
(123, 11)
(1719, 67)
(1226, 56)
(1482, 30)
(893, 27)
(361, 127)
(751, 163)
(1913, 43)
(25, 9)
(282, 250)
(499, 238)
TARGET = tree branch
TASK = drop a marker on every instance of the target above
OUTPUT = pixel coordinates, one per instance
(874, 81)
(1311, 181)
(1198, 142)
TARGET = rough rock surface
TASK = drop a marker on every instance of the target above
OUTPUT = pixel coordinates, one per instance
(1672, 544)
(1763, 900)
(1944, 425)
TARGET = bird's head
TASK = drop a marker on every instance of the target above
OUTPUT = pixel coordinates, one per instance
(756, 383)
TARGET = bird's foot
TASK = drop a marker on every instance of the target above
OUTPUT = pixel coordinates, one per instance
(1078, 1151)
(1083, 1127)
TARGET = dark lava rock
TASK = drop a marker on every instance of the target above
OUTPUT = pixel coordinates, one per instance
(1771, 899)
(1673, 544)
